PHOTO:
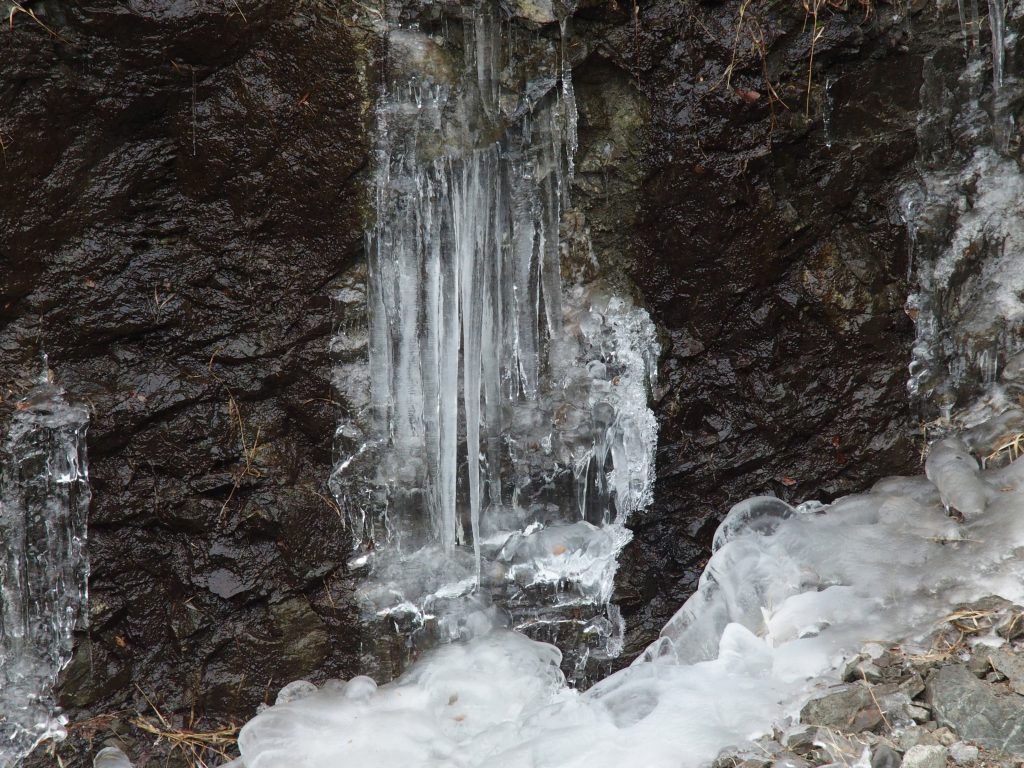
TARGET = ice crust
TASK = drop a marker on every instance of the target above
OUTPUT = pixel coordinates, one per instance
(44, 498)
(788, 596)
(963, 217)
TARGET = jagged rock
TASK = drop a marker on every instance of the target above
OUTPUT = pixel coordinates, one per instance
(789, 760)
(838, 709)
(800, 738)
(898, 708)
(535, 11)
(416, 53)
(945, 736)
(914, 735)
(923, 756)
(975, 710)
(979, 664)
(885, 756)
(1010, 666)
(964, 754)
(861, 668)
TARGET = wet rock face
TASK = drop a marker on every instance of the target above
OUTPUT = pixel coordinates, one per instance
(178, 187)
(768, 249)
(181, 188)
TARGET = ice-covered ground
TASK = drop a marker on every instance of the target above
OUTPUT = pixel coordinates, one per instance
(788, 595)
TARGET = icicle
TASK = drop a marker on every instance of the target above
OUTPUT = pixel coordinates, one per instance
(484, 405)
(44, 498)
(997, 25)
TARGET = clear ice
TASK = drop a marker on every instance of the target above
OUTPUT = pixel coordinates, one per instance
(44, 499)
(508, 399)
(963, 215)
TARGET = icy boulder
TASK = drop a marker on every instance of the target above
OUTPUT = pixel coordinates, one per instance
(955, 472)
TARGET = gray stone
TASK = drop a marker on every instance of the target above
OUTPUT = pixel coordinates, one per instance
(944, 736)
(912, 686)
(964, 754)
(1010, 665)
(911, 737)
(838, 709)
(789, 760)
(974, 709)
(979, 664)
(536, 11)
(899, 709)
(862, 668)
(885, 756)
(414, 52)
(800, 738)
(923, 756)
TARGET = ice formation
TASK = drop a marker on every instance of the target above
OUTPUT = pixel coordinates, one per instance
(787, 597)
(963, 215)
(508, 405)
(789, 594)
(44, 498)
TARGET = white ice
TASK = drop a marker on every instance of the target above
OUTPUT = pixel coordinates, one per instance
(787, 597)
(507, 410)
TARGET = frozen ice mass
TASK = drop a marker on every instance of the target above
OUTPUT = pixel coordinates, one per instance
(507, 437)
(779, 610)
(44, 498)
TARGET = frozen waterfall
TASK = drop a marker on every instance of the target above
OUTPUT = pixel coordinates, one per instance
(508, 435)
(789, 595)
(44, 498)
(963, 214)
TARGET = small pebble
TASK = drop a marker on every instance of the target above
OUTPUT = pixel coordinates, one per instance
(885, 757)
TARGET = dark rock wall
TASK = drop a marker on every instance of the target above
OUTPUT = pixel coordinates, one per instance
(182, 182)
(769, 249)
(179, 185)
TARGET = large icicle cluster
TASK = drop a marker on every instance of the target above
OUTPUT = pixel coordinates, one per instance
(508, 410)
(44, 498)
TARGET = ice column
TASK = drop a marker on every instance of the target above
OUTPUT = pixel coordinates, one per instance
(508, 406)
(44, 498)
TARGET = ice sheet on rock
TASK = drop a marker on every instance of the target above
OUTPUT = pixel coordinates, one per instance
(788, 596)
(964, 220)
(501, 701)
(44, 498)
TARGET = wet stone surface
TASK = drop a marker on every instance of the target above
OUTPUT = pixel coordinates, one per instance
(768, 250)
(180, 186)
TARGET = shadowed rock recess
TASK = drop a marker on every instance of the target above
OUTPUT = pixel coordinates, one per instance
(182, 187)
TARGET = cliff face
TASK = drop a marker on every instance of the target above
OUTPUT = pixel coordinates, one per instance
(770, 249)
(180, 183)
(183, 182)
